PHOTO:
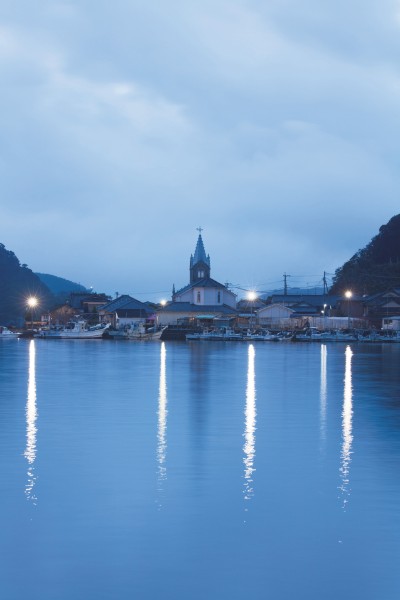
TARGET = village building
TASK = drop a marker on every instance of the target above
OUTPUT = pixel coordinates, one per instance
(382, 306)
(87, 303)
(78, 304)
(125, 312)
(203, 299)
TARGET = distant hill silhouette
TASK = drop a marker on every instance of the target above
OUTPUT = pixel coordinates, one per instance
(298, 291)
(60, 287)
(374, 268)
(17, 283)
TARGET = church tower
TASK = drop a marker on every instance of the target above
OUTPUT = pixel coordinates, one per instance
(200, 264)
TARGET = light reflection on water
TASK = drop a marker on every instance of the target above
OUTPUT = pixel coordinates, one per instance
(323, 391)
(347, 428)
(31, 429)
(162, 418)
(183, 428)
(250, 412)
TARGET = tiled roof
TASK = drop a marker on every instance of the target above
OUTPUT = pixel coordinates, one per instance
(126, 313)
(207, 282)
(313, 300)
(197, 308)
(126, 302)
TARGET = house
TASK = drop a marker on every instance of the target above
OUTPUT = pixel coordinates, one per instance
(391, 323)
(87, 303)
(126, 312)
(276, 316)
(202, 298)
(81, 304)
(382, 305)
(307, 304)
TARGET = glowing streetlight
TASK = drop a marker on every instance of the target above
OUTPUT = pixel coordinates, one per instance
(251, 296)
(163, 302)
(348, 294)
(32, 302)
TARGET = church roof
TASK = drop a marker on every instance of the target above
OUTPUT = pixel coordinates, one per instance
(200, 253)
(206, 282)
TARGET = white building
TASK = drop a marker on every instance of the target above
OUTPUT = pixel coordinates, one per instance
(202, 297)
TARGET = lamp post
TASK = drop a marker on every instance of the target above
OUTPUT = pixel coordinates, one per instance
(323, 312)
(251, 296)
(32, 302)
(348, 294)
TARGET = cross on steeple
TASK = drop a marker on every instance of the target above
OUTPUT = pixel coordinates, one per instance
(199, 229)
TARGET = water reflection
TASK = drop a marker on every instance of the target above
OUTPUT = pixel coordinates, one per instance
(162, 418)
(347, 426)
(249, 447)
(323, 392)
(31, 430)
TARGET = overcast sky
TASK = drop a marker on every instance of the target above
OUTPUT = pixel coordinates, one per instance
(127, 124)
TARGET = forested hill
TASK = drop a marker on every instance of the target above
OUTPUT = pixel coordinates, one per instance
(17, 283)
(376, 267)
(59, 285)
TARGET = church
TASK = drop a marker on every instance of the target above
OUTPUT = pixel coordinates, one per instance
(203, 297)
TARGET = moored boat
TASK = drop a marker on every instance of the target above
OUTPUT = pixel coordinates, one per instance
(314, 335)
(261, 336)
(7, 334)
(75, 330)
(223, 334)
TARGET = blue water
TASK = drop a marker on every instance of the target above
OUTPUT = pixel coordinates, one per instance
(199, 470)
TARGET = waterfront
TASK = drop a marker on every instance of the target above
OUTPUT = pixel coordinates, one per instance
(181, 470)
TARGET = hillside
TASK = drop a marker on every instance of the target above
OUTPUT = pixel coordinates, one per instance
(17, 283)
(374, 268)
(60, 287)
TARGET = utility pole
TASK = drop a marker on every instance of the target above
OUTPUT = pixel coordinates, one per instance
(285, 288)
(325, 284)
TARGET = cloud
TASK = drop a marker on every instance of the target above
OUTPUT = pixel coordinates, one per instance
(272, 125)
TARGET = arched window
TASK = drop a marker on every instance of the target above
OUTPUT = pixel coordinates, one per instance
(198, 298)
(219, 297)
(200, 274)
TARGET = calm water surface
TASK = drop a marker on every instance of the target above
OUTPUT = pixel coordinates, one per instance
(199, 470)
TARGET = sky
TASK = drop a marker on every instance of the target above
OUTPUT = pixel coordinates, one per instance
(126, 125)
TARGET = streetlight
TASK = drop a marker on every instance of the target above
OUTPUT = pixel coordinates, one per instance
(251, 296)
(32, 302)
(348, 294)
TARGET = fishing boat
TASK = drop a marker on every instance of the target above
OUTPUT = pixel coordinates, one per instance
(141, 333)
(74, 330)
(312, 334)
(7, 334)
(261, 336)
(223, 334)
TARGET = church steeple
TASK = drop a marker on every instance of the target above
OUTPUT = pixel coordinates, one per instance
(200, 264)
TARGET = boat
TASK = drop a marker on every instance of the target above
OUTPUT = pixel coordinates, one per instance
(141, 333)
(261, 336)
(7, 334)
(379, 337)
(312, 334)
(224, 334)
(74, 330)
